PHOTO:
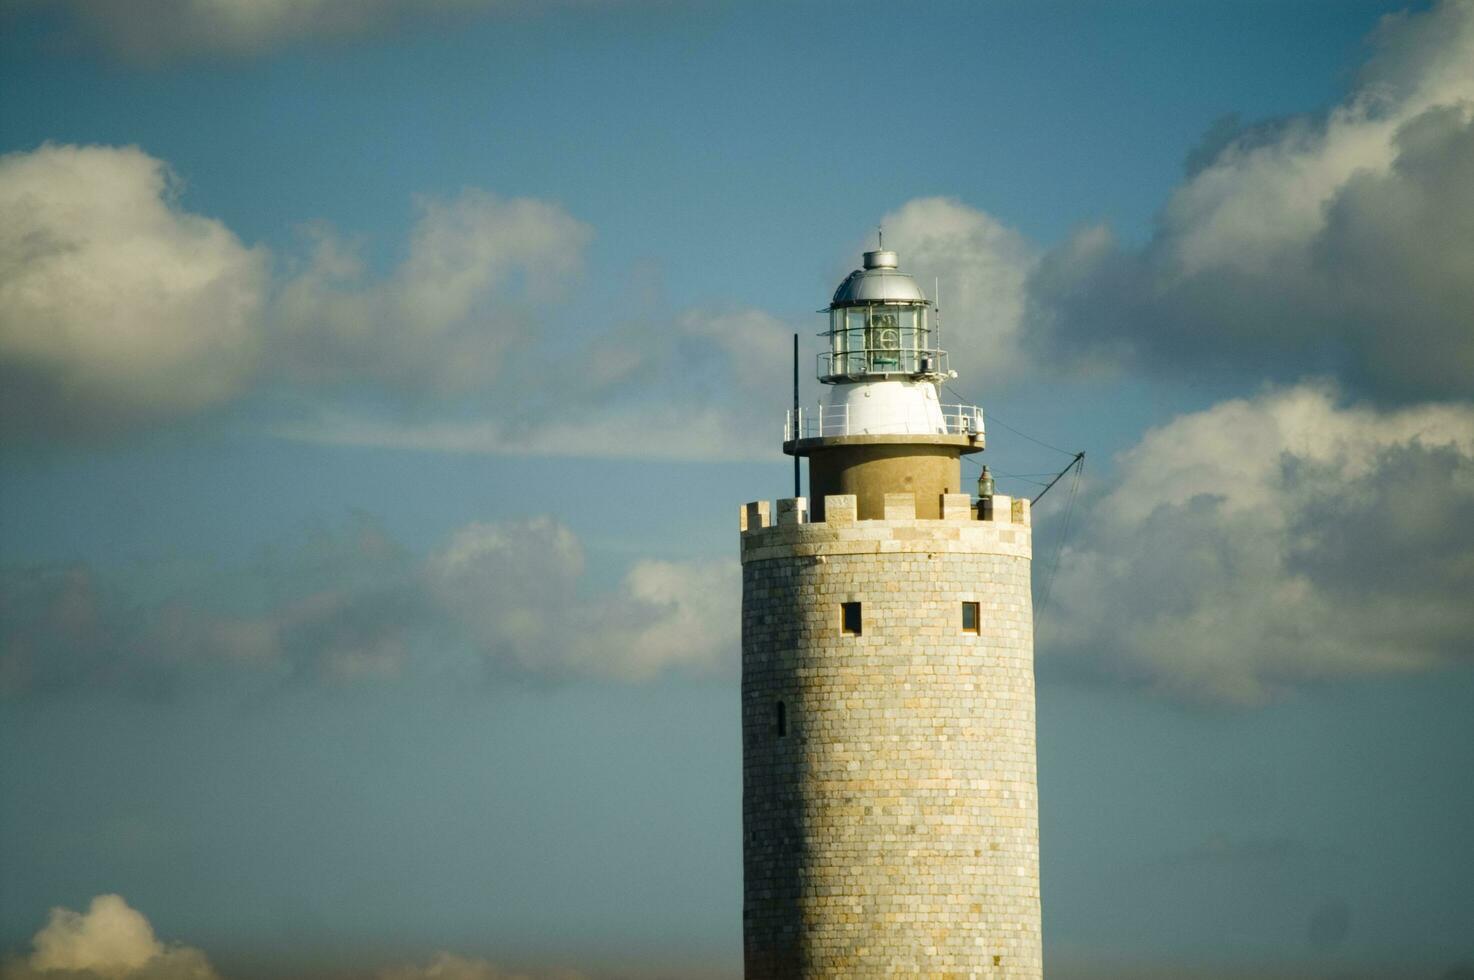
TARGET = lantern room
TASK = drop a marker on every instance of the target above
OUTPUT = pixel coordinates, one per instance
(880, 327)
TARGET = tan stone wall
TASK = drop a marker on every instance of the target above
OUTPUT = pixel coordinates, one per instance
(867, 472)
(893, 829)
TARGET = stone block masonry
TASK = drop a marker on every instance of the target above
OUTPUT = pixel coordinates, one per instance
(890, 807)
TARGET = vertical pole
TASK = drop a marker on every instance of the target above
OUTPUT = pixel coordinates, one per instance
(797, 431)
(937, 339)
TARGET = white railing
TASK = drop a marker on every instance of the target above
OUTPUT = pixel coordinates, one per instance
(957, 420)
(963, 420)
(872, 362)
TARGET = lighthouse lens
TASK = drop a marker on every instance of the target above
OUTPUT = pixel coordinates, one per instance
(880, 338)
(885, 332)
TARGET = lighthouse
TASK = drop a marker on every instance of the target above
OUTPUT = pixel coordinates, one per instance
(889, 793)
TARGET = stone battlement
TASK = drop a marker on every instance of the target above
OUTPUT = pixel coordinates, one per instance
(1002, 528)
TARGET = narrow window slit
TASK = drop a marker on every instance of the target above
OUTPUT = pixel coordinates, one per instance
(782, 719)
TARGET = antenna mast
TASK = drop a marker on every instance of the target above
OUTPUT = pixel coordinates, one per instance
(937, 292)
(797, 422)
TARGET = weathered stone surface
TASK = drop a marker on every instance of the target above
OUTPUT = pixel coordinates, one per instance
(956, 507)
(755, 515)
(900, 506)
(892, 827)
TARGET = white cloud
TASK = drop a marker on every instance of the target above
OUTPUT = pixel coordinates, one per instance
(353, 607)
(120, 310)
(450, 318)
(1273, 541)
(1337, 243)
(110, 941)
(514, 587)
(983, 267)
(343, 607)
(702, 386)
(688, 616)
(116, 306)
(124, 311)
(749, 347)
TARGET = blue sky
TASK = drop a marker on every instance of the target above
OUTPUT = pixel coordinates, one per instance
(379, 382)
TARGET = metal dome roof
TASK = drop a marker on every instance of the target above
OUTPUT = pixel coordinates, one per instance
(878, 282)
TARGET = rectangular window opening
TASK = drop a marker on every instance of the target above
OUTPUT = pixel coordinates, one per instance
(849, 618)
(782, 719)
(971, 620)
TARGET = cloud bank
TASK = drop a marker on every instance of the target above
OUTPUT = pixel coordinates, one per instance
(1329, 245)
(1274, 541)
(120, 310)
(113, 941)
(509, 600)
(1332, 244)
(110, 941)
(513, 587)
(984, 268)
(702, 385)
(117, 307)
(1337, 244)
(449, 318)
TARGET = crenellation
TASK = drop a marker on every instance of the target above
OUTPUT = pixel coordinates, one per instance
(840, 511)
(900, 507)
(793, 510)
(755, 516)
(997, 508)
(841, 508)
(957, 507)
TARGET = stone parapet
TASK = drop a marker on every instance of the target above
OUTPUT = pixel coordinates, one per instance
(1005, 531)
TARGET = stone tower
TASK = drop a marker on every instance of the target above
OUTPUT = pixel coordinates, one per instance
(889, 799)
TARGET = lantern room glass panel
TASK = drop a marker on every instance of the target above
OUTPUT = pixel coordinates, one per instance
(883, 340)
(880, 339)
